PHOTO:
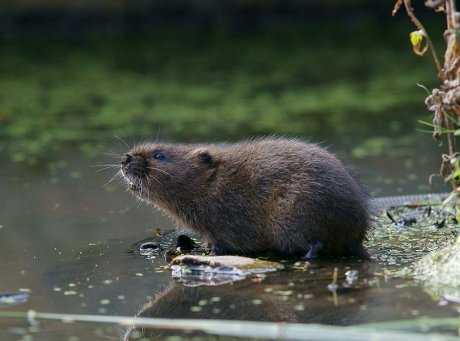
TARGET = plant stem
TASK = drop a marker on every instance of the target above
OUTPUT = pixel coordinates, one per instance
(419, 25)
(254, 329)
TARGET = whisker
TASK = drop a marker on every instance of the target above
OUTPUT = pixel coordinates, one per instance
(141, 192)
(154, 178)
(159, 170)
(113, 178)
(112, 154)
(148, 192)
(157, 137)
(106, 165)
(123, 141)
(107, 168)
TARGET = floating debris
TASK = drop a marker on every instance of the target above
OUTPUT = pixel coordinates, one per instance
(203, 302)
(13, 298)
(403, 221)
(334, 286)
(351, 276)
(147, 248)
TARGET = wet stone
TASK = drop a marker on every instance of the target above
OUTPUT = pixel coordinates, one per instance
(195, 270)
(168, 244)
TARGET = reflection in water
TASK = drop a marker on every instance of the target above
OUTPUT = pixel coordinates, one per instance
(297, 295)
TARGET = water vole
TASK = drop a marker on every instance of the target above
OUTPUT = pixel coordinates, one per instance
(263, 196)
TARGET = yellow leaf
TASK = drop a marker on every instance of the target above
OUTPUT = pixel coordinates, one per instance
(417, 39)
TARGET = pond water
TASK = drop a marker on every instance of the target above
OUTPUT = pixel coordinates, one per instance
(67, 239)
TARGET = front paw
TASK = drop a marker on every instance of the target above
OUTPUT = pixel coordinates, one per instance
(184, 244)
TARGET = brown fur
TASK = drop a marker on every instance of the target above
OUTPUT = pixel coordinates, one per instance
(270, 195)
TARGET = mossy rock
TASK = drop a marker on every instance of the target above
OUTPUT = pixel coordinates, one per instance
(440, 271)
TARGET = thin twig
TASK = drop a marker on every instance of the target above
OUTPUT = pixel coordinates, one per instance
(419, 25)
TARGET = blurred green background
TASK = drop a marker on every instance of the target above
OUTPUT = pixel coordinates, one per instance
(80, 74)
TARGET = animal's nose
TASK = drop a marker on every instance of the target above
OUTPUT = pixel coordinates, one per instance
(127, 158)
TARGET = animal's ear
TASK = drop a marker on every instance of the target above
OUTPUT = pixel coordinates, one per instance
(205, 157)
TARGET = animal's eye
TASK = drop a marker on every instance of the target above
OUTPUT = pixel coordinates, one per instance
(159, 156)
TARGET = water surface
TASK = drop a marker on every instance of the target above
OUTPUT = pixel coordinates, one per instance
(67, 239)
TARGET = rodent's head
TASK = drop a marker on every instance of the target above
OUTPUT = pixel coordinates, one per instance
(167, 173)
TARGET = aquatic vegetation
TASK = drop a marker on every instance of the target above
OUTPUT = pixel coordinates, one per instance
(399, 330)
(440, 271)
(444, 100)
(402, 236)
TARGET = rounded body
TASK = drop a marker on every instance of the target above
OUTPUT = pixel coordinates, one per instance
(264, 196)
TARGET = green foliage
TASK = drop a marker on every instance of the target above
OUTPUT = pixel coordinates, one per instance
(201, 86)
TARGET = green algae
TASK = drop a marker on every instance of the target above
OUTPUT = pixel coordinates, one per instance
(396, 244)
(439, 271)
(427, 251)
(207, 86)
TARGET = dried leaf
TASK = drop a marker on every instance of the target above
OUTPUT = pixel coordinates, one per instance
(437, 5)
